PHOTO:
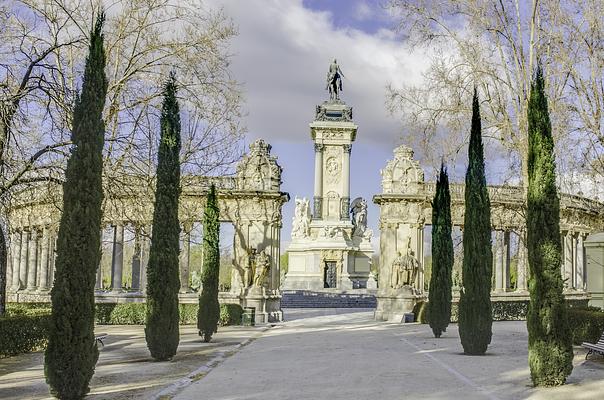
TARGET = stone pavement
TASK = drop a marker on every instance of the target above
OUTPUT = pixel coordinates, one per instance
(350, 356)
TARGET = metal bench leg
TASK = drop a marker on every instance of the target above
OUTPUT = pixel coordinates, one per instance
(588, 353)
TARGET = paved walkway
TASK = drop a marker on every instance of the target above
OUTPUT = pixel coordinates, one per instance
(125, 370)
(350, 356)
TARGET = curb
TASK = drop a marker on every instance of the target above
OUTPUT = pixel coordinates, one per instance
(173, 389)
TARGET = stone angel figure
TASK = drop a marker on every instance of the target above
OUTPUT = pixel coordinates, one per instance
(301, 220)
(358, 212)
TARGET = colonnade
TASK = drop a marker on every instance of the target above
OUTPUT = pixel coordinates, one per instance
(572, 260)
(31, 259)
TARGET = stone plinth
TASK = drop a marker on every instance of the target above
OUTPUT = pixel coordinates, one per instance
(392, 304)
(267, 304)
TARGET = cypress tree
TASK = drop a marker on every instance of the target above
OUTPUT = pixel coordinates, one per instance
(71, 354)
(550, 346)
(209, 308)
(163, 282)
(439, 304)
(475, 315)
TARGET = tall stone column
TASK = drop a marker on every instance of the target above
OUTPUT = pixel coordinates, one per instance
(506, 260)
(420, 258)
(145, 246)
(117, 259)
(499, 262)
(33, 261)
(318, 194)
(136, 260)
(522, 266)
(23, 260)
(43, 275)
(345, 206)
(185, 255)
(16, 244)
(580, 259)
(567, 267)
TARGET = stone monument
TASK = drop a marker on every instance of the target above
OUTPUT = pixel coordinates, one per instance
(332, 247)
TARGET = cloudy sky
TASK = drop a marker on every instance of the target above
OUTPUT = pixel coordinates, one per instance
(281, 57)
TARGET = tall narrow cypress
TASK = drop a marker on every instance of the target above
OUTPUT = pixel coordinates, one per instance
(71, 354)
(439, 304)
(163, 282)
(475, 317)
(209, 308)
(550, 346)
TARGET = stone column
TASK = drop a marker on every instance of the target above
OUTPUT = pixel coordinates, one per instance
(145, 246)
(499, 262)
(16, 244)
(420, 258)
(136, 260)
(522, 266)
(43, 275)
(580, 270)
(33, 261)
(52, 255)
(345, 206)
(506, 260)
(573, 246)
(8, 277)
(23, 259)
(567, 274)
(117, 259)
(185, 254)
(318, 196)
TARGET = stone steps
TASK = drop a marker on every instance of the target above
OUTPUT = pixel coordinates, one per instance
(309, 299)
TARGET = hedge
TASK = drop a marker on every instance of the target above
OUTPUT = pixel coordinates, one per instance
(586, 324)
(25, 327)
(502, 310)
(23, 333)
(131, 313)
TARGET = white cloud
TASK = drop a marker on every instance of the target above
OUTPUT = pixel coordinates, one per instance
(363, 12)
(282, 54)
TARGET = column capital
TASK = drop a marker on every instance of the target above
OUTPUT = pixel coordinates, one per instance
(319, 147)
(347, 148)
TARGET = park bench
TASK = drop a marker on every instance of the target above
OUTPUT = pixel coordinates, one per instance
(99, 338)
(594, 348)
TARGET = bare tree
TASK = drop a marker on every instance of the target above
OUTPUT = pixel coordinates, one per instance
(495, 45)
(42, 55)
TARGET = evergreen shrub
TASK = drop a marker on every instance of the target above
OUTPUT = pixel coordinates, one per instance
(475, 314)
(586, 324)
(163, 280)
(23, 333)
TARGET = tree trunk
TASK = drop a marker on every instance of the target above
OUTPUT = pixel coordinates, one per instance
(3, 266)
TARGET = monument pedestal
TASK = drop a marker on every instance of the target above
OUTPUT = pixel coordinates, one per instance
(393, 304)
(267, 304)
